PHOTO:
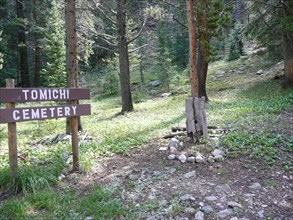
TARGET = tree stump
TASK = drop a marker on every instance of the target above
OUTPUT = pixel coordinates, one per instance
(196, 122)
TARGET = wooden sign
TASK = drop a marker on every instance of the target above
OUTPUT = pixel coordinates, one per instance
(11, 115)
(42, 94)
(38, 113)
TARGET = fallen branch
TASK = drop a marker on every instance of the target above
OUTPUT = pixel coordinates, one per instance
(174, 134)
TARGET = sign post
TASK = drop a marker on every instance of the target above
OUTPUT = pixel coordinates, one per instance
(11, 115)
(12, 138)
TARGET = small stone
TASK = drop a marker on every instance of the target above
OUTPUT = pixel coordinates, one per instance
(223, 188)
(173, 150)
(190, 174)
(220, 73)
(174, 142)
(259, 72)
(201, 204)
(210, 198)
(207, 209)
(182, 158)
(88, 218)
(189, 210)
(163, 149)
(154, 83)
(211, 159)
(166, 94)
(199, 215)
(199, 159)
(219, 158)
(255, 186)
(234, 218)
(61, 177)
(261, 214)
(217, 152)
(187, 197)
(171, 156)
(233, 204)
(224, 213)
(191, 159)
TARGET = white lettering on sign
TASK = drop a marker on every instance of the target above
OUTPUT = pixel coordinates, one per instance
(43, 113)
(16, 115)
(46, 94)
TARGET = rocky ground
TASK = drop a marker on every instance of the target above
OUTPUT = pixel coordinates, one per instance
(182, 188)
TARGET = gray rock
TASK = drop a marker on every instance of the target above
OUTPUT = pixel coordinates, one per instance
(174, 142)
(233, 204)
(187, 197)
(223, 188)
(224, 213)
(190, 174)
(88, 218)
(211, 198)
(211, 159)
(199, 159)
(217, 152)
(182, 158)
(189, 210)
(218, 158)
(191, 159)
(167, 94)
(163, 148)
(220, 73)
(199, 215)
(261, 214)
(155, 83)
(259, 72)
(207, 209)
(171, 156)
(234, 218)
(255, 186)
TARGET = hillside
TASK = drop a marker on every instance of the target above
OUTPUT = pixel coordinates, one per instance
(129, 173)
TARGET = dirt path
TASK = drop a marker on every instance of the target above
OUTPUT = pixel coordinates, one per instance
(232, 189)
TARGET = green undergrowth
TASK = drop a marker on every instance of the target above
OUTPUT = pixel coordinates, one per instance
(98, 202)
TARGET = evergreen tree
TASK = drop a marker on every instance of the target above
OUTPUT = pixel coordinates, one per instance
(54, 74)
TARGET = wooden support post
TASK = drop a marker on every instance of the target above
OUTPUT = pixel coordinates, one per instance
(74, 140)
(12, 139)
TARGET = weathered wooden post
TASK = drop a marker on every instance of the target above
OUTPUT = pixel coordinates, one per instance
(74, 140)
(12, 138)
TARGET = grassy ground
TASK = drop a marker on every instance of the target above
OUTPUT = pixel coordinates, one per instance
(250, 105)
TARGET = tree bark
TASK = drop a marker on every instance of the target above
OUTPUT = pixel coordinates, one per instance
(22, 46)
(288, 44)
(37, 47)
(192, 49)
(71, 53)
(124, 73)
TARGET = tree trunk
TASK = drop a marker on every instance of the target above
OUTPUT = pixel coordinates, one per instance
(192, 49)
(37, 47)
(23, 57)
(124, 73)
(71, 53)
(288, 44)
